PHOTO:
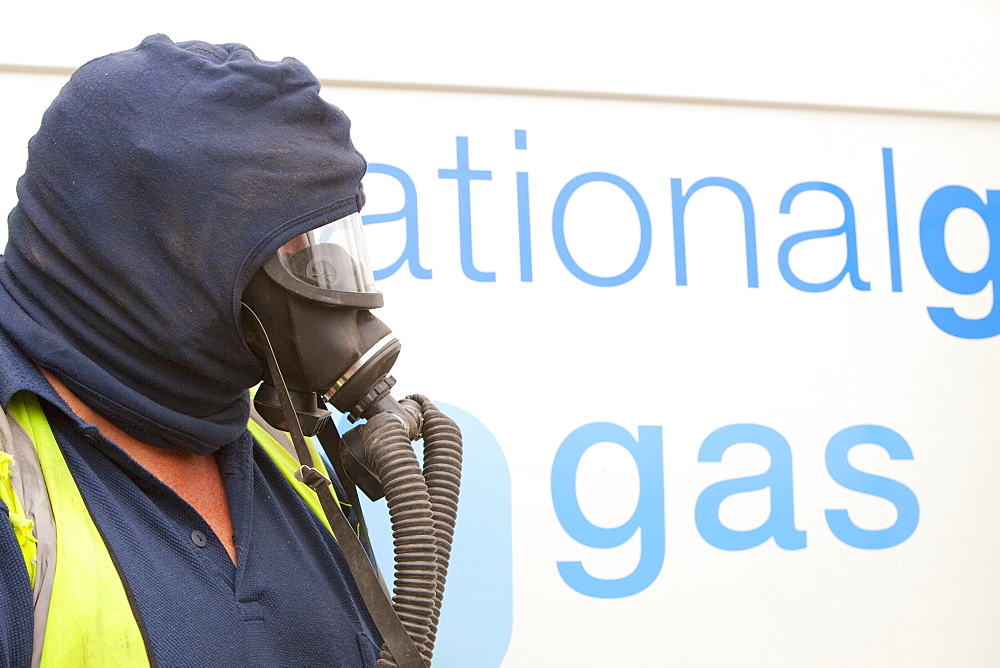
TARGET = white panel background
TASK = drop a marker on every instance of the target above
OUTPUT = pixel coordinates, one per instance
(711, 354)
(823, 89)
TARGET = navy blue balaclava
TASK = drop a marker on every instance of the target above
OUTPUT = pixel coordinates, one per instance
(160, 180)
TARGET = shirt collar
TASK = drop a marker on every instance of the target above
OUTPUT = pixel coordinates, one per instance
(17, 373)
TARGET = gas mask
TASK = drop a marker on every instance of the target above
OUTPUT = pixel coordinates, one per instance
(307, 317)
(309, 309)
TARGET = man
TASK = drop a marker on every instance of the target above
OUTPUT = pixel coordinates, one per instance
(161, 179)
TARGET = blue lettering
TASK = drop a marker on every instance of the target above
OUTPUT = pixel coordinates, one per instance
(781, 522)
(523, 211)
(409, 214)
(847, 229)
(679, 202)
(845, 475)
(559, 232)
(463, 175)
(933, 218)
(889, 179)
(648, 518)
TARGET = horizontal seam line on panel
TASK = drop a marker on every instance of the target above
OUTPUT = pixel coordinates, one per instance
(469, 89)
(661, 99)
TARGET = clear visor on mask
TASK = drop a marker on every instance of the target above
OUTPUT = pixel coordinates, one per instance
(331, 257)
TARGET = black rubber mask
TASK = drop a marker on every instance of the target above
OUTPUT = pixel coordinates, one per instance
(307, 317)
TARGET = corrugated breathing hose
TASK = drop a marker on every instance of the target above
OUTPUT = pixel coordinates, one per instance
(423, 506)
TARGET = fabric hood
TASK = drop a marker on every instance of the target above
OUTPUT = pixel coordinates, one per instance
(161, 178)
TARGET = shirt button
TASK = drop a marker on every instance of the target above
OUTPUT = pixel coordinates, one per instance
(199, 539)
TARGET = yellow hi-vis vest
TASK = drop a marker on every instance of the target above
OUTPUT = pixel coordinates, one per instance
(83, 616)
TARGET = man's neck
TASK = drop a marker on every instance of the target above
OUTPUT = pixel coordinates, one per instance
(195, 478)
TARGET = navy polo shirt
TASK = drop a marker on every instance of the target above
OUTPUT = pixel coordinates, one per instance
(290, 599)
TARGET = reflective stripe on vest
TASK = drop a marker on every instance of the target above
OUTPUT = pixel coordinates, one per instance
(90, 619)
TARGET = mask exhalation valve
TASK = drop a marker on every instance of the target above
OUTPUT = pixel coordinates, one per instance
(361, 391)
